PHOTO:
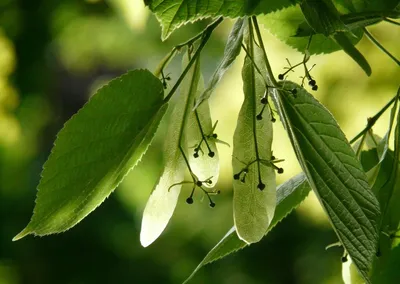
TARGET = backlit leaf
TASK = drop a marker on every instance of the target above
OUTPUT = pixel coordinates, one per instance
(94, 151)
(287, 23)
(162, 202)
(253, 208)
(333, 172)
(174, 13)
(232, 50)
(204, 166)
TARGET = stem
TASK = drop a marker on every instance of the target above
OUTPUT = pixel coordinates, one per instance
(186, 161)
(205, 37)
(260, 41)
(172, 53)
(371, 38)
(251, 48)
(373, 120)
(391, 21)
(361, 145)
(203, 138)
(255, 66)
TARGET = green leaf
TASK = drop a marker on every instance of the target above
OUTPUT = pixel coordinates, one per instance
(162, 202)
(348, 47)
(253, 207)
(288, 196)
(285, 24)
(383, 145)
(199, 124)
(372, 5)
(174, 13)
(333, 172)
(94, 151)
(322, 16)
(232, 50)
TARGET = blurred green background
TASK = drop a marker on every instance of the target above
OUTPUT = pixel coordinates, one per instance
(55, 54)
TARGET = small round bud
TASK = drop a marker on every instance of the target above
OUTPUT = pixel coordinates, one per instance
(211, 154)
(212, 204)
(273, 119)
(199, 183)
(196, 155)
(294, 91)
(344, 259)
(273, 158)
(189, 200)
(236, 176)
(264, 100)
(209, 181)
(246, 170)
(259, 116)
(280, 171)
(312, 82)
(218, 192)
(280, 76)
(214, 135)
(314, 88)
(261, 186)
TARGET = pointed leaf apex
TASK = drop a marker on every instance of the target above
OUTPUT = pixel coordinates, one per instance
(22, 234)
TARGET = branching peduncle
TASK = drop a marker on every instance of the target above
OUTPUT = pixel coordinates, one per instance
(205, 36)
(380, 46)
(203, 138)
(374, 119)
(261, 43)
(254, 118)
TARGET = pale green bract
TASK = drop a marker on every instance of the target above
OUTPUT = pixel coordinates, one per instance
(232, 50)
(204, 166)
(253, 208)
(174, 13)
(333, 172)
(162, 202)
(288, 196)
(94, 151)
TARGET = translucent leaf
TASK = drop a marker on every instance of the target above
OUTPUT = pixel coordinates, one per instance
(232, 50)
(162, 202)
(253, 206)
(286, 23)
(334, 173)
(352, 51)
(288, 196)
(174, 13)
(204, 166)
(95, 150)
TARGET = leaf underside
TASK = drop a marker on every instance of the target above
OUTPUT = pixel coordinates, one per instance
(285, 24)
(288, 196)
(334, 173)
(94, 151)
(162, 202)
(253, 209)
(173, 13)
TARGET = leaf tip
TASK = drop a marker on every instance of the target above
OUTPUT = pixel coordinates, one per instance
(22, 234)
(146, 239)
